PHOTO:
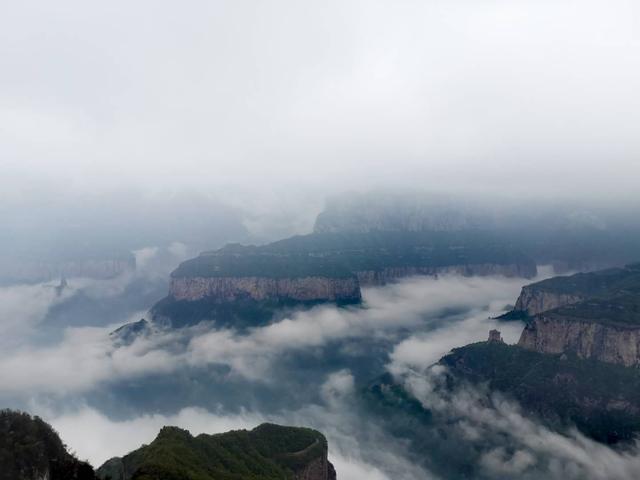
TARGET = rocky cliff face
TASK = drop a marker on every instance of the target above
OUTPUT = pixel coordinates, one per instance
(229, 289)
(534, 301)
(554, 333)
(387, 275)
(318, 469)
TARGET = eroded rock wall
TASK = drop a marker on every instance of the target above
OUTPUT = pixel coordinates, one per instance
(318, 469)
(534, 301)
(229, 289)
(556, 334)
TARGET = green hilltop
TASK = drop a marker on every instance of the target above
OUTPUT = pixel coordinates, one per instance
(268, 452)
(30, 449)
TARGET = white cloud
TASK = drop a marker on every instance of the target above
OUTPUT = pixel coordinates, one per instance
(22, 307)
(422, 350)
(416, 302)
(337, 386)
(457, 94)
(91, 434)
(515, 444)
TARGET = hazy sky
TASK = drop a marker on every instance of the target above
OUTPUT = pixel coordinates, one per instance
(333, 94)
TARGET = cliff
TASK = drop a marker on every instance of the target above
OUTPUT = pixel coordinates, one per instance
(605, 330)
(247, 285)
(230, 289)
(568, 290)
(268, 452)
(601, 399)
(593, 315)
(533, 301)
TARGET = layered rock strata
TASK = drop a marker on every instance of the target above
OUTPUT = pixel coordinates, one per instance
(555, 333)
(229, 289)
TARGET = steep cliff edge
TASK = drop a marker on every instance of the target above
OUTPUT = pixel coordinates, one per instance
(601, 399)
(268, 452)
(593, 315)
(533, 301)
(562, 291)
(247, 286)
(230, 289)
(601, 329)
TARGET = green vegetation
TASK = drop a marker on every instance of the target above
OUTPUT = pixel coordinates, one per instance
(612, 297)
(341, 254)
(31, 450)
(620, 311)
(268, 452)
(601, 284)
(601, 399)
(252, 263)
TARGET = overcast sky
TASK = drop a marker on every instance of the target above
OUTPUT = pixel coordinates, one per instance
(526, 95)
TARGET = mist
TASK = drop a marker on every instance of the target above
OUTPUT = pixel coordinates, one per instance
(135, 136)
(221, 96)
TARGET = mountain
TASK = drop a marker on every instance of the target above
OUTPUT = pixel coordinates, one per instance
(570, 236)
(601, 329)
(561, 291)
(247, 285)
(93, 234)
(602, 400)
(593, 315)
(575, 365)
(451, 417)
(378, 257)
(268, 452)
(31, 450)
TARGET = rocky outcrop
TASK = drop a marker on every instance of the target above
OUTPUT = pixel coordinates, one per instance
(229, 289)
(555, 334)
(563, 291)
(318, 469)
(388, 275)
(534, 301)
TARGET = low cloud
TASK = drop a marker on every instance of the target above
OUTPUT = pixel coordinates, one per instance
(91, 434)
(354, 444)
(511, 444)
(22, 308)
(418, 304)
(421, 350)
(419, 320)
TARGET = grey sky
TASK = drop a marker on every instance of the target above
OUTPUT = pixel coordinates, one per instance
(335, 94)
